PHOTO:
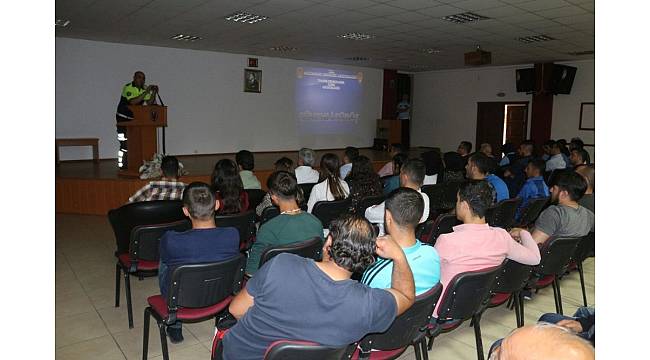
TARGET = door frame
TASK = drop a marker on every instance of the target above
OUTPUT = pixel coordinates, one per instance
(504, 103)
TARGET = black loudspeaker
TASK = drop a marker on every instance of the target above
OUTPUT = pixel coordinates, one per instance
(525, 80)
(562, 80)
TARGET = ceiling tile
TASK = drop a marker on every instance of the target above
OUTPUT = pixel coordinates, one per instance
(352, 5)
(440, 11)
(474, 5)
(381, 10)
(413, 4)
(521, 18)
(501, 11)
(409, 17)
(561, 12)
(537, 5)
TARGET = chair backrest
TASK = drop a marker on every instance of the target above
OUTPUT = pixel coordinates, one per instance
(244, 223)
(269, 213)
(300, 350)
(126, 217)
(145, 239)
(586, 247)
(444, 224)
(450, 193)
(503, 214)
(255, 197)
(308, 249)
(436, 194)
(513, 277)
(466, 293)
(532, 210)
(406, 326)
(369, 201)
(326, 211)
(556, 254)
(201, 285)
(306, 190)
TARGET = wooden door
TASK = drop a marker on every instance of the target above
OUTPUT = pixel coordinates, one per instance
(489, 125)
(516, 123)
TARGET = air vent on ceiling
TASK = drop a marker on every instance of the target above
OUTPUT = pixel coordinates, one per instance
(246, 18)
(357, 58)
(283, 48)
(464, 17)
(430, 51)
(535, 38)
(580, 53)
(356, 36)
(62, 22)
(185, 37)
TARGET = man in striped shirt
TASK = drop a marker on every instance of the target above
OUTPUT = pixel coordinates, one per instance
(167, 188)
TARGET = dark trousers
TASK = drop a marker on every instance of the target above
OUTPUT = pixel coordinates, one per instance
(406, 132)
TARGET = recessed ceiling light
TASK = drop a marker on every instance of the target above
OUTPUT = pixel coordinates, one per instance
(283, 48)
(579, 53)
(62, 22)
(535, 38)
(464, 17)
(356, 36)
(430, 51)
(358, 58)
(185, 37)
(247, 18)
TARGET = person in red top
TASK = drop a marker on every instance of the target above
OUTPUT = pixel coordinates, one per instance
(228, 188)
(475, 245)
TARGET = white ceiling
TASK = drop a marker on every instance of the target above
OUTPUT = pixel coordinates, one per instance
(400, 28)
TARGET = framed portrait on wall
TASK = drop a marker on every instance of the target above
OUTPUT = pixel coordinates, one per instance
(587, 116)
(252, 81)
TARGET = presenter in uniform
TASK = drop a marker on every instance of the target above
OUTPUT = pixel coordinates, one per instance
(133, 93)
(404, 115)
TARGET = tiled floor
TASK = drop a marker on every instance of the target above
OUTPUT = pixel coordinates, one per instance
(88, 326)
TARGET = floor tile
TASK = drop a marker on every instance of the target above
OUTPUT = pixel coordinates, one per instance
(76, 328)
(101, 348)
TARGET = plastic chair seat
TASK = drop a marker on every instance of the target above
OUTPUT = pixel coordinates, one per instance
(380, 354)
(143, 265)
(159, 305)
(499, 298)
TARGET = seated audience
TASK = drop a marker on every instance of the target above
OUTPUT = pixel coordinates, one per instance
(542, 341)
(515, 176)
(392, 182)
(305, 172)
(246, 163)
(509, 154)
(387, 169)
(565, 217)
(464, 150)
(454, 166)
(579, 158)
(404, 209)
(411, 176)
(577, 143)
(433, 166)
(348, 157)
(475, 245)
(167, 188)
(228, 188)
(588, 200)
(363, 181)
(291, 226)
(296, 298)
(487, 150)
(204, 243)
(479, 167)
(332, 187)
(282, 164)
(535, 187)
(565, 151)
(556, 158)
(582, 323)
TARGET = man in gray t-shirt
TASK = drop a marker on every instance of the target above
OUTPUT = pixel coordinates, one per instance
(565, 217)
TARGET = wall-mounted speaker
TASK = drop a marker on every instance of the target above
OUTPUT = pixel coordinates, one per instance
(525, 80)
(562, 80)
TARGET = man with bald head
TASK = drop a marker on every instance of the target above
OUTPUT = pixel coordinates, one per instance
(542, 341)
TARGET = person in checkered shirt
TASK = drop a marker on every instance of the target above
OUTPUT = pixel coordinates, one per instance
(167, 188)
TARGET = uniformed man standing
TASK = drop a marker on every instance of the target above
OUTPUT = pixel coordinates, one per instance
(133, 93)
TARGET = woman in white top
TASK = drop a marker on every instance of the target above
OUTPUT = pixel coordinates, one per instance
(332, 187)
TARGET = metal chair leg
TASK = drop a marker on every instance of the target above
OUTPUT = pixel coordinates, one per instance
(117, 284)
(163, 339)
(425, 353)
(418, 349)
(582, 283)
(430, 345)
(479, 339)
(129, 308)
(557, 306)
(145, 332)
(520, 298)
(559, 297)
(516, 305)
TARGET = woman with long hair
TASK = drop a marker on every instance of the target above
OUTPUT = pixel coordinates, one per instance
(433, 164)
(363, 181)
(392, 182)
(228, 188)
(331, 187)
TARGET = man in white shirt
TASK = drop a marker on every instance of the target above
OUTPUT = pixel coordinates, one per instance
(348, 156)
(556, 160)
(411, 176)
(305, 174)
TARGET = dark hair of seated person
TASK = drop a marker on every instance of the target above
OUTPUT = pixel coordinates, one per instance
(329, 171)
(353, 243)
(406, 207)
(199, 200)
(169, 166)
(483, 163)
(478, 194)
(245, 159)
(414, 169)
(227, 182)
(283, 184)
(574, 184)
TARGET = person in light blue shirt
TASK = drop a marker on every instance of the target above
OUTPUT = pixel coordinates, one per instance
(404, 209)
(534, 187)
(349, 155)
(479, 167)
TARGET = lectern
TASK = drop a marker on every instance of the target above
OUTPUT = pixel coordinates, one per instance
(141, 135)
(390, 129)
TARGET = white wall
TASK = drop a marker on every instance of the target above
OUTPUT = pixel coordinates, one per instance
(444, 103)
(207, 110)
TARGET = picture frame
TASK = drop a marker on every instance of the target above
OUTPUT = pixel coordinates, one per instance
(252, 81)
(587, 116)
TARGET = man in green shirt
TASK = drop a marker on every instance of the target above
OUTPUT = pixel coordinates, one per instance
(133, 93)
(246, 162)
(291, 226)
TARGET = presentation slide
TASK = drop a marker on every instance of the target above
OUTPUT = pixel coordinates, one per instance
(328, 101)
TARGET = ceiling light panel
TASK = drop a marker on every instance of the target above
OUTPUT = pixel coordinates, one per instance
(245, 18)
(356, 36)
(535, 38)
(62, 22)
(185, 37)
(464, 18)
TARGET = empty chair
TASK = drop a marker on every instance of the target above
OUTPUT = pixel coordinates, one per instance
(449, 195)
(586, 248)
(532, 211)
(143, 257)
(308, 249)
(503, 214)
(196, 292)
(463, 299)
(436, 197)
(369, 201)
(244, 223)
(404, 331)
(326, 211)
(508, 286)
(306, 190)
(443, 224)
(269, 213)
(255, 197)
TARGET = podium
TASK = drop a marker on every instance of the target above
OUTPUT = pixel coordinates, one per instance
(390, 129)
(141, 136)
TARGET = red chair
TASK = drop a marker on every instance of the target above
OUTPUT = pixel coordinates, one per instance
(432, 229)
(503, 214)
(508, 286)
(532, 211)
(143, 257)
(293, 350)
(196, 292)
(245, 225)
(586, 248)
